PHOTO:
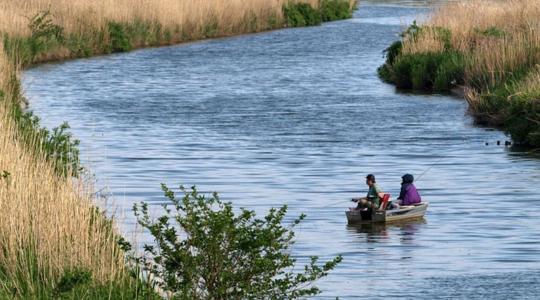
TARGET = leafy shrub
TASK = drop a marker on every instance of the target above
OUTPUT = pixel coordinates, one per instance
(44, 36)
(57, 146)
(79, 45)
(332, 10)
(210, 29)
(71, 279)
(119, 39)
(204, 250)
(301, 14)
(450, 72)
(393, 51)
(438, 72)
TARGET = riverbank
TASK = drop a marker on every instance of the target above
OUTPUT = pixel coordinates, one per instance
(57, 244)
(491, 48)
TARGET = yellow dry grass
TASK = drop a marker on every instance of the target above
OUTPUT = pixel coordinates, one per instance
(427, 42)
(50, 221)
(48, 224)
(498, 37)
(74, 15)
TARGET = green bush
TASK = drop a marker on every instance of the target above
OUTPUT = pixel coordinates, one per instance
(450, 72)
(58, 146)
(301, 14)
(204, 250)
(332, 10)
(438, 72)
(118, 38)
(45, 35)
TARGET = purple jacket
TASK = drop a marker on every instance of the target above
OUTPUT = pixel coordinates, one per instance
(409, 195)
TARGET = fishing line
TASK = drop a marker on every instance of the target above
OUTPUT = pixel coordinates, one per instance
(416, 180)
(430, 167)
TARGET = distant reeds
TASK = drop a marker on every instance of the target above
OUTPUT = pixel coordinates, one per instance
(492, 48)
(86, 28)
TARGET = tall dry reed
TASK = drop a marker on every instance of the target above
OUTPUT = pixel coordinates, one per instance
(72, 14)
(498, 37)
(48, 224)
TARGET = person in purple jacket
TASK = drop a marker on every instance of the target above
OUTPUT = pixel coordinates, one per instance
(408, 195)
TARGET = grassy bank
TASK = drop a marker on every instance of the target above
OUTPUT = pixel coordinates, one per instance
(69, 29)
(54, 242)
(491, 48)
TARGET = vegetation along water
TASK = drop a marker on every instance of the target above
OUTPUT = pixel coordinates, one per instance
(55, 243)
(284, 124)
(494, 55)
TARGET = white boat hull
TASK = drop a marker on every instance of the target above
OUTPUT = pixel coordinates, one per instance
(403, 213)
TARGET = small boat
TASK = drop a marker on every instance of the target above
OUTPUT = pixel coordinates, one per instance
(385, 216)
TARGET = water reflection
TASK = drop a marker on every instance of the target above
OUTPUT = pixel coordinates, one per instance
(375, 232)
(298, 117)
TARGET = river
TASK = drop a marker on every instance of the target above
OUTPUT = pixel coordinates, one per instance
(299, 117)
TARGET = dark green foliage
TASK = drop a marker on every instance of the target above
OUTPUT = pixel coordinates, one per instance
(437, 72)
(204, 250)
(71, 279)
(57, 146)
(393, 51)
(412, 31)
(210, 29)
(332, 10)
(272, 21)
(78, 45)
(301, 14)
(450, 72)
(250, 22)
(167, 36)
(44, 32)
(508, 107)
(119, 39)
(45, 35)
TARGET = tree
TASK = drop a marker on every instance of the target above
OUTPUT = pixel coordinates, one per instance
(204, 250)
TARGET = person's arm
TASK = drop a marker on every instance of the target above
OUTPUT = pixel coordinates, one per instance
(358, 199)
(402, 192)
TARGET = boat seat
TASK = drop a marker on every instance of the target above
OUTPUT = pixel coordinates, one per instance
(384, 201)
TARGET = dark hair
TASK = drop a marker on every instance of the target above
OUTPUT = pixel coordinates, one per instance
(407, 178)
(370, 177)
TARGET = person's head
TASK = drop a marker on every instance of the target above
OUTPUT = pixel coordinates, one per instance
(407, 178)
(370, 179)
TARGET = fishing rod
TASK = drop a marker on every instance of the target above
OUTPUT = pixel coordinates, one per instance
(430, 167)
(417, 180)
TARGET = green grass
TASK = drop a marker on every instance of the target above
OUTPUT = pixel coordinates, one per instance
(434, 72)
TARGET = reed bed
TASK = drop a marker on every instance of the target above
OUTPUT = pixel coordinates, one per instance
(70, 14)
(489, 48)
(94, 27)
(53, 239)
(49, 226)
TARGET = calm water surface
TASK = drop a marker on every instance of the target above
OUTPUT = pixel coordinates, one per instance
(298, 117)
